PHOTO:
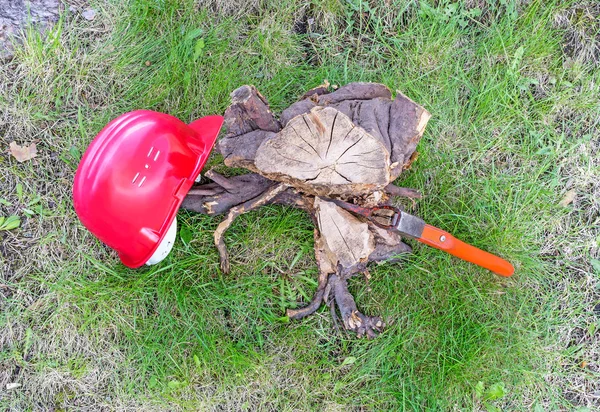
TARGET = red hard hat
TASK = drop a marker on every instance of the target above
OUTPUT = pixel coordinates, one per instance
(134, 176)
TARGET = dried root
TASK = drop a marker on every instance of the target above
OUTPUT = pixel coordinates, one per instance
(351, 144)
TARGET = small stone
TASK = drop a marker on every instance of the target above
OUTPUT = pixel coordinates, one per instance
(89, 14)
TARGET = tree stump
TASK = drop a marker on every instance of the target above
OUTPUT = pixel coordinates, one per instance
(348, 144)
(323, 153)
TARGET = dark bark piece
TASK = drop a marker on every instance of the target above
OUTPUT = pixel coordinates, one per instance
(388, 245)
(394, 190)
(221, 180)
(407, 125)
(213, 199)
(356, 91)
(389, 253)
(296, 109)
(248, 111)
(206, 191)
(240, 151)
(316, 91)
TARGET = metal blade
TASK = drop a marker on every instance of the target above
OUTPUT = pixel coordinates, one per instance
(410, 225)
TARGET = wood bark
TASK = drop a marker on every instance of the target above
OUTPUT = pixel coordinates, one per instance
(350, 143)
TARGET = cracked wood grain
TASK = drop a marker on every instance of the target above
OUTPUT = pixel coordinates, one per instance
(323, 153)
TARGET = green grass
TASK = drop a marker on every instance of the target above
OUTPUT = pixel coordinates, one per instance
(514, 127)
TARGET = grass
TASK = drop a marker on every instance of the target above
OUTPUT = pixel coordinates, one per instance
(514, 98)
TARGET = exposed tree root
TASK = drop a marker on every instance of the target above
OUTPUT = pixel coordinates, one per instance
(403, 192)
(350, 144)
(353, 320)
(314, 304)
(317, 300)
(214, 199)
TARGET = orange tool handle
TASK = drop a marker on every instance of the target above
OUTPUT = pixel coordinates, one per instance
(443, 240)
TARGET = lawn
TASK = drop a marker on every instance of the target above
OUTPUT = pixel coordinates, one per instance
(510, 162)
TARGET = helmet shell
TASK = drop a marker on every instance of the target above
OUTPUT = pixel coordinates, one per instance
(134, 175)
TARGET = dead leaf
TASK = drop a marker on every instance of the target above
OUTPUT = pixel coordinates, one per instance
(89, 14)
(568, 199)
(23, 153)
(583, 364)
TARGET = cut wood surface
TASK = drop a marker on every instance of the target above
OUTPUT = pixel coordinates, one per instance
(348, 239)
(323, 153)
